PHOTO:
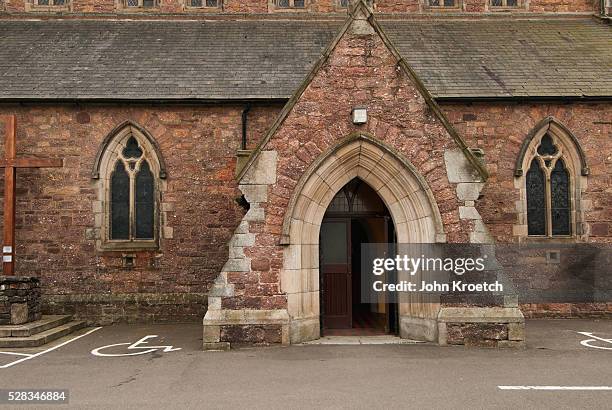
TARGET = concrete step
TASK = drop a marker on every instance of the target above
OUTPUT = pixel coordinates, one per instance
(43, 337)
(30, 329)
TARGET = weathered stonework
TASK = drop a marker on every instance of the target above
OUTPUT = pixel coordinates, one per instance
(260, 317)
(500, 130)
(59, 217)
(267, 291)
(407, 152)
(19, 300)
(483, 327)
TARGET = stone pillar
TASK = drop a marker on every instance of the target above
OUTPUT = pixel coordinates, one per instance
(19, 300)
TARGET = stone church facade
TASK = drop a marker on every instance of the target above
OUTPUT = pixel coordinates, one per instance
(203, 144)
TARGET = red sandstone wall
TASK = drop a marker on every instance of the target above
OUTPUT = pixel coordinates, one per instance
(398, 6)
(360, 72)
(499, 129)
(319, 6)
(55, 217)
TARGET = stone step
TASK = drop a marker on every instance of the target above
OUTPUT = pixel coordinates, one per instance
(43, 337)
(30, 329)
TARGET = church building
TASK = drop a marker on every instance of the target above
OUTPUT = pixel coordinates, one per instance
(224, 160)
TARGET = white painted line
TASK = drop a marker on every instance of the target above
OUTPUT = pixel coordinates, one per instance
(588, 342)
(555, 387)
(136, 345)
(32, 356)
(16, 354)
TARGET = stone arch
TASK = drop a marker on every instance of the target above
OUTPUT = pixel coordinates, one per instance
(563, 134)
(574, 159)
(116, 137)
(398, 183)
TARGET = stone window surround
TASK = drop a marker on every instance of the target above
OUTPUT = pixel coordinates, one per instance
(504, 5)
(32, 5)
(338, 5)
(273, 7)
(103, 168)
(121, 5)
(522, 5)
(575, 163)
(203, 8)
(457, 6)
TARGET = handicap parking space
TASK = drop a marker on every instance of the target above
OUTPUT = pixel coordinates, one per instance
(110, 342)
(126, 339)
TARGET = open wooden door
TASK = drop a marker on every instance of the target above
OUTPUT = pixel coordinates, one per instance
(336, 273)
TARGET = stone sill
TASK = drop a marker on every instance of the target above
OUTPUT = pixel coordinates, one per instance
(245, 317)
(129, 246)
(480, 315)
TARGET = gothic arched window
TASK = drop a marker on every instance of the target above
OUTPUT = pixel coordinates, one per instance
(130, 168)
(132, 193)
(548, 191)
(554, 164)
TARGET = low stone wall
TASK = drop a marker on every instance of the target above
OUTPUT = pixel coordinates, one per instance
(481, 327)
(19, 300)
(106, 309)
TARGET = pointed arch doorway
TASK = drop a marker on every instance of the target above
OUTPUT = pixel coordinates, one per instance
(355, 216)
(410, 202)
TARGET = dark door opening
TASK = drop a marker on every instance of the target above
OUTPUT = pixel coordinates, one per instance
(355, 216)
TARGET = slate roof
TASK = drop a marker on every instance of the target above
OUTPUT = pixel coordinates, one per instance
(508, 58)
(268, 59)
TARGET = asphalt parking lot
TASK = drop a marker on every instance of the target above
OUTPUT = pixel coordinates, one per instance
(128, 370)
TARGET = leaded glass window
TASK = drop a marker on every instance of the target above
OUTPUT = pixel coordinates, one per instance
(536, 199)
(290, 4)
(204, 3)
(443, 3)
(504, 3)
(50, 3)
(146, 4)
(559, 199)
(547, 185)
(120, 202)
(132, 195)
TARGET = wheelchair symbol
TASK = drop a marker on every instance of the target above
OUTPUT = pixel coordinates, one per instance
(140, 346)
(589, 342)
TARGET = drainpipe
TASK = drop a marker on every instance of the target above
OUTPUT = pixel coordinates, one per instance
(245, 117)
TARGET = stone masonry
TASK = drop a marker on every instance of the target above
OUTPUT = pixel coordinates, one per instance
(57, 209)
(361, 70)
(244, 289)
(19, 300)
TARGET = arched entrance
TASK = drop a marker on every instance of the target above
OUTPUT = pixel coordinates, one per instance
(409, 201)
(355, 216)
